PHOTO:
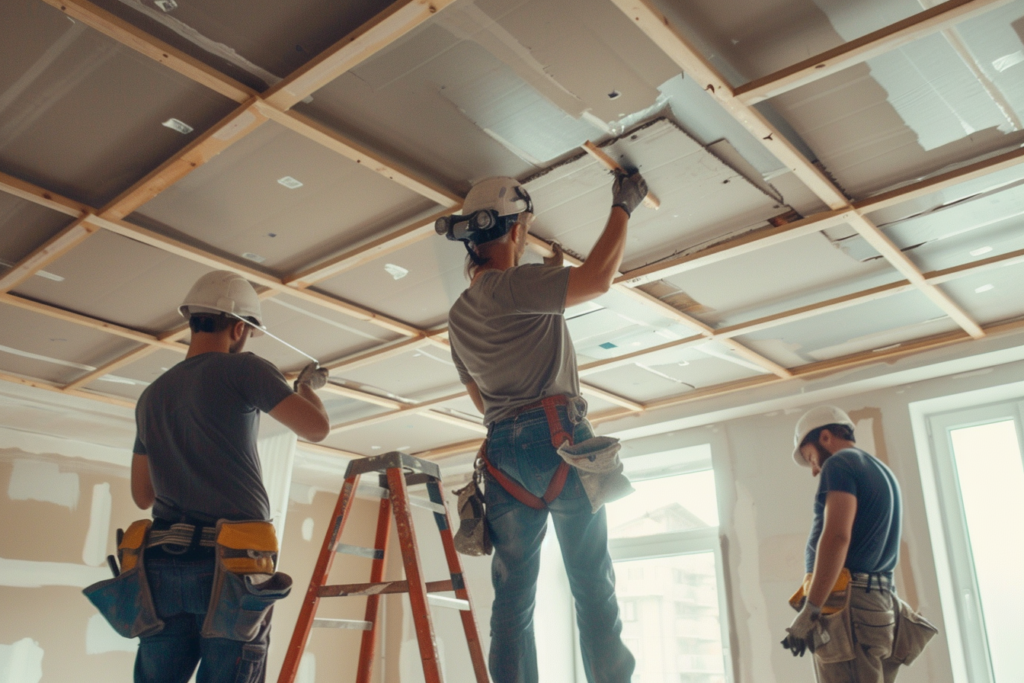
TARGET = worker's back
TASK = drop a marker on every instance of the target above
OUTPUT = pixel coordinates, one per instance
(197, 423)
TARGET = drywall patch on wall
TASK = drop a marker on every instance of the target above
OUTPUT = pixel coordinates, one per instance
(39, 444)
(100, 637)
(21, 662)
(32, 574)
(307, 669)
(307, 529)
(94, 552)
(33, 480)
(748, 578)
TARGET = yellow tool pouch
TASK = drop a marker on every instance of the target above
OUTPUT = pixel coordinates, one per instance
(126, 601)
(913, 632)
(245, 585)
(833, 634)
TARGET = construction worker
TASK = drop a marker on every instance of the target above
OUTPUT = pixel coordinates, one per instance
(856, 529)
(195, 463)
(512, 349)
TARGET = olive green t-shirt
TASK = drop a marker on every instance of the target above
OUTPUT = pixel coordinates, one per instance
(508, 335)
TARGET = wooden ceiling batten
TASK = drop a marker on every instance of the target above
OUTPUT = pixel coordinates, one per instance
(48, 252)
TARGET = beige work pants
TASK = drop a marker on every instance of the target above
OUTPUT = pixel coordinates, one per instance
(873, 620)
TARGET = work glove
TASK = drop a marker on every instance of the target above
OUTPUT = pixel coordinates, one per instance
(802, 629)
(628, 190)
(313, 376)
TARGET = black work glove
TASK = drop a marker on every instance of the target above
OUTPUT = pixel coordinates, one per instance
(313, 376)
(628, 190)
(796, 645)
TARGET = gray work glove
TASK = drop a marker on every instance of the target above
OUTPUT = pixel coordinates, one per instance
(313, 376)
(628, 190)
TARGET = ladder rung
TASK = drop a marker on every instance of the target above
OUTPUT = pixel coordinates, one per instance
(352, 624)
(350, 589)
(372, 491)
(428, 504)
(359, 551)
(449, 603)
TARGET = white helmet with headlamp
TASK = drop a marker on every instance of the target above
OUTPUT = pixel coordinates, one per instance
(491, 208)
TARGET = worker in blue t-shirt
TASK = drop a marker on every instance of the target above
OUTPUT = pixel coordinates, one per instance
(857, 518)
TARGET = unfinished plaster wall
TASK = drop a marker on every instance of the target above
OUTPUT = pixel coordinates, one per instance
(766, 503)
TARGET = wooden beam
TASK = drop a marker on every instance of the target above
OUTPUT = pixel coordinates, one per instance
(864, 48)
(375, 355)
(157, 50)
(126, 359)
(398, 409)
(650, 201)
(326, 137)
(40, 197)
(45, 254)
(1011, 258)
(370, 251)
(395, 21)
(46, 386)
(451, 449)
(328, 450)
(209, 144)
(363, 396)
(737, 246)
(628, 358)
(610, 397)
(90, 322)
(456, 421)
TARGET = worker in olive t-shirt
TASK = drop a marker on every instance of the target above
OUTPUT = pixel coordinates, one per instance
(195, 462)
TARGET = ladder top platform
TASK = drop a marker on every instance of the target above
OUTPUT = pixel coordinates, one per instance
(382, 463)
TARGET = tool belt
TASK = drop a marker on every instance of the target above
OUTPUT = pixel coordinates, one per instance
(559, 436)
(245, 585)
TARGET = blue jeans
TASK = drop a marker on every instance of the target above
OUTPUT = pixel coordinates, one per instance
(521, 448)
(181, 591)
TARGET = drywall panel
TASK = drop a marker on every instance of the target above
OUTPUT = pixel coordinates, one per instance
(871, 326)
(408, 433)
(131, 380)
(53, 350)
(796, 273)
(747, 39)
(672, 373)
(430, 279)
(418, 375)
(259, 42)
(24, 227)
(80, 114)
(237, 204)
(496, 88)
(701, 197)
(991, 296)
(119, 280)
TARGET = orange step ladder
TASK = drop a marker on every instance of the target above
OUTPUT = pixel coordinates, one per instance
(397, 472)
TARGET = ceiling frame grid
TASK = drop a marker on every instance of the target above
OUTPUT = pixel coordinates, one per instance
(274, 105)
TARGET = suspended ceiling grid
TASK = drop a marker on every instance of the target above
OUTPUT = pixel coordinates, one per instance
(184, 210)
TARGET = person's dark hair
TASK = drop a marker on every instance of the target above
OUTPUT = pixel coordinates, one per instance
(210, 322)
(839, 431)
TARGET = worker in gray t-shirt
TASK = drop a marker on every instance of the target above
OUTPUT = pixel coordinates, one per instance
(513, 352)
(195, 462)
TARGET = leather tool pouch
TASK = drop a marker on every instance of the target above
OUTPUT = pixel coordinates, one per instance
(472, 537)
(245, 585)
(913, 632)
(126, 601)
(833, 635)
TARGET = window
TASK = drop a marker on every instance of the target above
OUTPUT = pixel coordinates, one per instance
(979, 495)
(667, 532)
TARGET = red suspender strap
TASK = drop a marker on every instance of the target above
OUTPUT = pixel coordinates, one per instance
(559, 436)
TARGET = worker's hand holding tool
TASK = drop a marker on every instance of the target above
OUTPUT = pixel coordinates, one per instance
(628, 190)
(313, 376)
(557, 258)
(801, 631)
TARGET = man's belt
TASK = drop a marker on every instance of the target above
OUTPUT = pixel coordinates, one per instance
(184, 536)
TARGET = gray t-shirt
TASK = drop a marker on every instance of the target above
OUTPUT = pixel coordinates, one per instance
(197, 423)
(508, 335)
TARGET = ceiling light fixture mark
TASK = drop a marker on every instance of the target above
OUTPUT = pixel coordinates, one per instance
(397, 272)
(254, 257)
(177, 125)
(1006, 61)
(984, 288)
(980, 251)
(166, 5)
(290, 183)
(614, 95)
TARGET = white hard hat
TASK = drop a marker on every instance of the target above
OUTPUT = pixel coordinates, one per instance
(811, 420)
(505, 195)
(224, 292)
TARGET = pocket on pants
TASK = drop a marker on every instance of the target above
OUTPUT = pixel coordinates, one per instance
(251, 663)
(913, 632)
(873, 631)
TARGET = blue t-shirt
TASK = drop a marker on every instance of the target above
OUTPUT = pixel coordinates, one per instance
(875, 540)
